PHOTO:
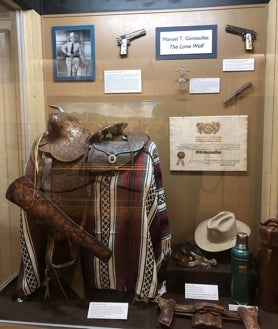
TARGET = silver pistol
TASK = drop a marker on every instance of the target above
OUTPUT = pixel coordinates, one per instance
(124, 40)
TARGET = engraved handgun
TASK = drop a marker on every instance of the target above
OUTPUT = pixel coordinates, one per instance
(124, 40)
(248, 36)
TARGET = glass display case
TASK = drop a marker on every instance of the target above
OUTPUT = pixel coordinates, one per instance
(187, 198)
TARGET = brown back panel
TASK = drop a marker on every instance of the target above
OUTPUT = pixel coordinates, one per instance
(191, 196)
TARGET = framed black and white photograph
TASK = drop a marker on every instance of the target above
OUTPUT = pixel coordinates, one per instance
(73, 52)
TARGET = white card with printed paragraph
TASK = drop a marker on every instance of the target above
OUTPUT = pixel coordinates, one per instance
(122, 81)
(238, 64)
(103, 310)
(201, 291)
(204, 85)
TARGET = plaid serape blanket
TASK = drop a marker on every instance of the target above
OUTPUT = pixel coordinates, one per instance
(128, 215)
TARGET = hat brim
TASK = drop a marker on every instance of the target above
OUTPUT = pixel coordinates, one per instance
(202, 241)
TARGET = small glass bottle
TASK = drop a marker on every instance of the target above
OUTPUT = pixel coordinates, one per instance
(241, 270)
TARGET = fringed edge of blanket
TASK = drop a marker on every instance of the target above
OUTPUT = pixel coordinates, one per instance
(166, 250)
(166, 246)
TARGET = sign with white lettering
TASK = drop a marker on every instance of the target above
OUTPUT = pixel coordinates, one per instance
(182, 42)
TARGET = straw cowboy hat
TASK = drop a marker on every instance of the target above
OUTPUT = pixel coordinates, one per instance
(219, 232)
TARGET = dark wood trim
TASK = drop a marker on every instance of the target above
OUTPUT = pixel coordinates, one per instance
(37, 5)
(52, 7)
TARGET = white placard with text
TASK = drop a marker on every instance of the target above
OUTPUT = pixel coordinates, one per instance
(241, 64)
(107, 310)
(122, 81)
(204, 85)
(201, 291)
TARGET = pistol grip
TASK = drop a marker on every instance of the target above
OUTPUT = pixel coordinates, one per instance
(123, 49)
(248, 42)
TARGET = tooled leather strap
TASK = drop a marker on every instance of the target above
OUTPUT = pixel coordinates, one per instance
(47, 187)
(50, 245)
(46, 183)
(46, 174)
(169, 307)
(207, 319)
(217, 309)
(209, 307)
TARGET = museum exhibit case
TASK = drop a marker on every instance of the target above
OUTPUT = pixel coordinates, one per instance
(137, 143)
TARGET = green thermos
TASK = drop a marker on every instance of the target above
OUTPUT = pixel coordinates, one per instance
(241, 270)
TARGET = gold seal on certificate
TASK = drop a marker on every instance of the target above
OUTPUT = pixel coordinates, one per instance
(180, 156)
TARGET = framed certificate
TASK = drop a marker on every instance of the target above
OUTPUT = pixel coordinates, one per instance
(208, 143)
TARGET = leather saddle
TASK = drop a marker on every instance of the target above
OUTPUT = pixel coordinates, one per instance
(66, 140)
(107, 149)
(117, 153)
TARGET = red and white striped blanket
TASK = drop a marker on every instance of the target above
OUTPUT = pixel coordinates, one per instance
(128, 214)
